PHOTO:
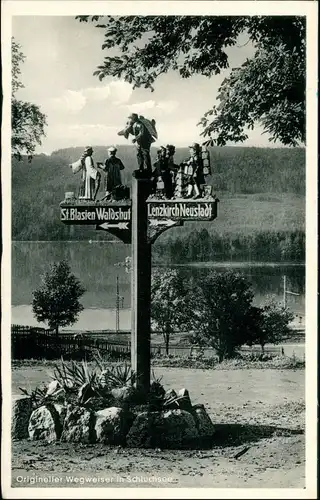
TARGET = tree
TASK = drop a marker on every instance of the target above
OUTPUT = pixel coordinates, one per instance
(222, 314)
(27, 121)
(57, 299)
(168, 303)
(269, 88)
(273, 324)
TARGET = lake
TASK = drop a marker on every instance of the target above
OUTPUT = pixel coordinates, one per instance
(98, 264)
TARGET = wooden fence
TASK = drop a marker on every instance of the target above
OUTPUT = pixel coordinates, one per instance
(39, 343)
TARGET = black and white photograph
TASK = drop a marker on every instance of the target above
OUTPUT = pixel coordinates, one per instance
(159, 255)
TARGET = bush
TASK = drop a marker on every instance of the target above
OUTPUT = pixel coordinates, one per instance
(246, 361)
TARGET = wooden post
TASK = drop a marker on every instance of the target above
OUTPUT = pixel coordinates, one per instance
(140, 285)
(117, 307)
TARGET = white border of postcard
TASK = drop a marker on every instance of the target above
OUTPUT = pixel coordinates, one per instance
(72, 8)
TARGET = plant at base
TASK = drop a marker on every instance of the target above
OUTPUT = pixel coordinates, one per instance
(117, 376)
(27, 121)
(268, 88)
(169, 303)
(223, 316)
(38, 396)
(74, 375)
(56, 301)
(157, 392)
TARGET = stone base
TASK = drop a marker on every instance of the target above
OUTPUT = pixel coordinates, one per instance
(173, 424)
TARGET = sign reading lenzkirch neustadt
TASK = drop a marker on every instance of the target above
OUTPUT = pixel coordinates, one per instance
(182, 210)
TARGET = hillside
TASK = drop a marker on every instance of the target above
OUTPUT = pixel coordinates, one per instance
(260, 190)
(236, 169)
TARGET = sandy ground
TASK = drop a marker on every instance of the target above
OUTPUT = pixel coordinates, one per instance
(259, 412)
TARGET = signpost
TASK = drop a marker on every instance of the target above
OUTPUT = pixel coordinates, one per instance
(114, 217)
(139, 221)
(182, 210)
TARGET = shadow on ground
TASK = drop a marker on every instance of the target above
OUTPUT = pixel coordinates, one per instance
(237, 434)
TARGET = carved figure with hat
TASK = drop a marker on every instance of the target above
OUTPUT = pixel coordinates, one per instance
(144, 134)
(90, 176)
(112, 166)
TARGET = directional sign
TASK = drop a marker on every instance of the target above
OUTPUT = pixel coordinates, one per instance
(159, 226)
(115, 217)
(182, 209)
(119, 225)
(112, 213)
(162, 222)
(121, 230)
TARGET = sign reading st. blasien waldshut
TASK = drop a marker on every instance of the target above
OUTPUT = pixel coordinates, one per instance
(94, 214)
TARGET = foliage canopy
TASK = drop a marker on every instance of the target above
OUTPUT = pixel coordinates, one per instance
(27, 121)
(273, 325)
(269, 88)
(169, 299)
(223, 316)
(57, 299)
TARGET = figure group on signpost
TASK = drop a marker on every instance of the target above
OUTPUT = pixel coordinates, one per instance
(168, 180)
(144, 134)
(187, 180)
(114, 189)
(90, 176)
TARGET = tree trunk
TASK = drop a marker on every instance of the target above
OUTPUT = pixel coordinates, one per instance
(57, 331)
(167, 338)
(220, 349)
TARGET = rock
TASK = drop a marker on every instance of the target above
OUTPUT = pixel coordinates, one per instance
(179, 429)
(136, 410)
(45, 424)
(184, 400)
(143, 432)
(171, 399)
(112, 425)
(61, 411)
(203, 421)
(97, 403)
(53, 387)
(78, 426)
(169, 429)
(128, 395)
(55, 391)
(121, 393)
(104, 378)
(21, 411)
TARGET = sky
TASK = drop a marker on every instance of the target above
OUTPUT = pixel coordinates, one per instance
(61, 56)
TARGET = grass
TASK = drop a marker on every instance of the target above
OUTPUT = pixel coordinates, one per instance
(243, 363)
(246, 213)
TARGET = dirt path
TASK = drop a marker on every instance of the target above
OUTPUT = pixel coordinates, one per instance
(273, 462)
(260, 412)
